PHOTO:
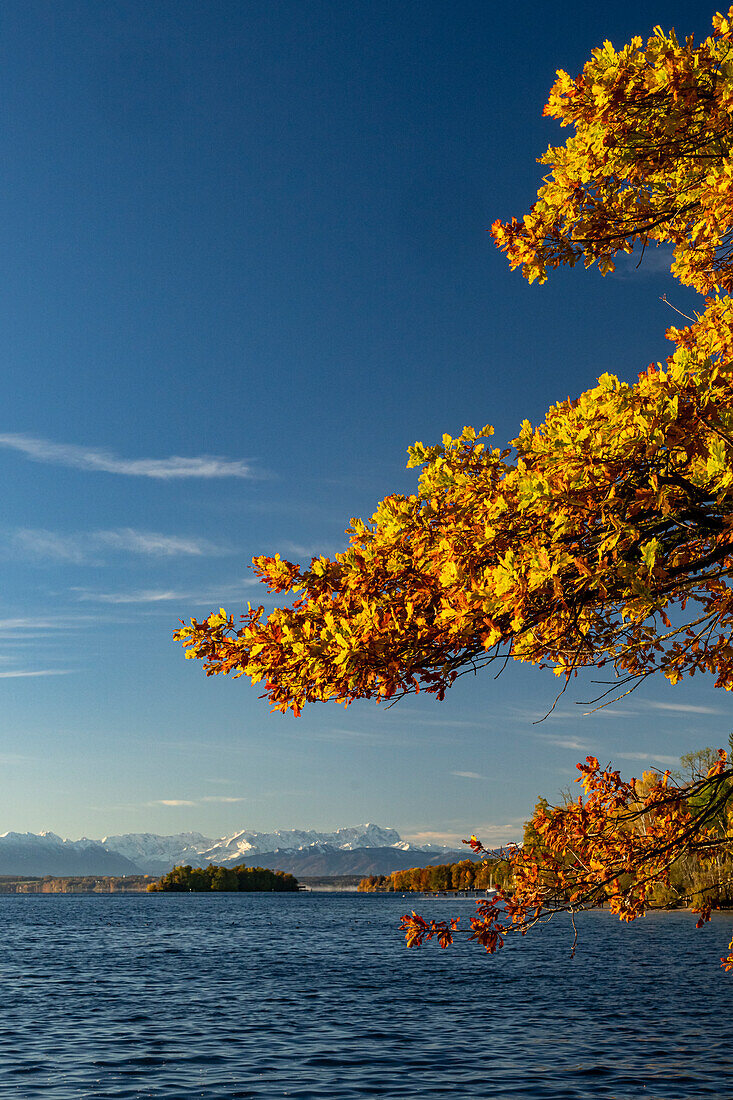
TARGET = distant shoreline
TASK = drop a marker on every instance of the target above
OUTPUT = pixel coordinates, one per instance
(75, 884)
(138, 884)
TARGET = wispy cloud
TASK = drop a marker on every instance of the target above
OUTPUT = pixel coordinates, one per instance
(564, 742)
(82, 546)
(609, 712)
(492, 834)
(580, 746)
(684, 708)
(148, 595)
(215, 597)
(152, 542)
(23, 672)
(162, 469)
(22, 623)
(547, 717)
(41, 544)
(416, 718)
(468, 775)
(657, 758)
(434, 836)
(220, 798)
(642, 263)
(19, 631)
(195, 801)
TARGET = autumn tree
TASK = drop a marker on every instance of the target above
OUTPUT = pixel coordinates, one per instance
(601, 537)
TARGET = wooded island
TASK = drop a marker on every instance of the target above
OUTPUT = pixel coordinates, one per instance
(238, 879)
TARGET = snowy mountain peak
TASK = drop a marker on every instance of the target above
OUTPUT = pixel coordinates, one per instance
(250, 843)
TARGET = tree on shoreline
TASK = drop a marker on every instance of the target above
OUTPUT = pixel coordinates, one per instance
(602, 537)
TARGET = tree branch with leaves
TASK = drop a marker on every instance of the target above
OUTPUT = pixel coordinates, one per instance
(601, 537)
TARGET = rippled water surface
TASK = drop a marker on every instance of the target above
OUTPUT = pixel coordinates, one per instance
(315, 995)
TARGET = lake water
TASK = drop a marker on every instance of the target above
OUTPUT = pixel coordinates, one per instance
(315, 996)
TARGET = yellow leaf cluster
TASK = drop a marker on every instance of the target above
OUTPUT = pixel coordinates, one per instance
(648, 161)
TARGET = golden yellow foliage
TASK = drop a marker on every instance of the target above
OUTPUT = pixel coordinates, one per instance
(571, 549)
(602, 536)
(649, 161)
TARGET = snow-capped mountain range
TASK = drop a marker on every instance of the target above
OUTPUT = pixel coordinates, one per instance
(361, 849)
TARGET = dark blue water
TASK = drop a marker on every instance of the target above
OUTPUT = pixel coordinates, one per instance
(315, 995)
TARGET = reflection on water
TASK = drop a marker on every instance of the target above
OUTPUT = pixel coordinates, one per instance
(315, 996)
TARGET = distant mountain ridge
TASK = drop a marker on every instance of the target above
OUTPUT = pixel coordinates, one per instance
(48, 854)
(362, 849)
(322, 860)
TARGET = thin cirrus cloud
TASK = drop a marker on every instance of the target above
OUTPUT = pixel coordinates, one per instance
(468, 775)
(645, 262)
(684, 708)
(580, 746)
(490, 833)
(194, 801)
(151, 542)
(166, 595)
(657, 758)
(434, 837)
(30, 622)
(20, 673)
(26, 630)
(566, 743)
(147, 595)
(80, 547)
(221, 798)
(86, 458)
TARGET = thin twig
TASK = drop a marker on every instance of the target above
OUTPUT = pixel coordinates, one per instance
(687, 318)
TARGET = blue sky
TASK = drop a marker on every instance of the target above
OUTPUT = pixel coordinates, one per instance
(245, 265)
